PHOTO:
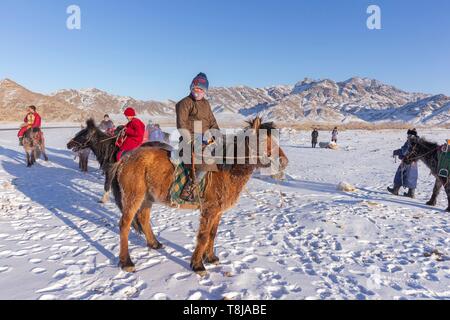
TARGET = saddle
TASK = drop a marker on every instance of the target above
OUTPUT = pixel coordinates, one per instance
(181, 175)
(444, 161)
(34, 133)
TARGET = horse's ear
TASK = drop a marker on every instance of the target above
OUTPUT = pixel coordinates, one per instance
(90, 124)
(256, 123)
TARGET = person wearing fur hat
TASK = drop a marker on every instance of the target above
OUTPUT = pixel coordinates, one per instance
(132, 135)
(195, 108)
(407, 174)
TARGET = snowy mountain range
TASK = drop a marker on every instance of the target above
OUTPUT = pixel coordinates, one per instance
(353, 100)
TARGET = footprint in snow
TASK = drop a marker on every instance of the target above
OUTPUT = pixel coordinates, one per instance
(182, 275)
(160, 296)
(5, 254)
(20, 253)
(250, 259)
(39, 270)
(5, 269)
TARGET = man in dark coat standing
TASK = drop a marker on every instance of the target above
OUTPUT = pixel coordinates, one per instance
(407, 174)
(195, 109)
(314, 138)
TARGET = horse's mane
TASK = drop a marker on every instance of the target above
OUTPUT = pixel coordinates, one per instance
(426, 144)
(264, 125)
(104, 147)
(233, 141)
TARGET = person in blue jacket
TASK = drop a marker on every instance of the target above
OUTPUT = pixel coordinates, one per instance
(407, 174)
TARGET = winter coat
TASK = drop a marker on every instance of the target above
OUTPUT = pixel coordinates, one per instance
(106, 125)
(189, 111)
(315, 136)
(407, 174)
(156, 135)
(334, 135)
(32, 120)
(134, 133)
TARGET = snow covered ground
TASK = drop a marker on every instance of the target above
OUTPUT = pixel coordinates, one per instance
(298, 239)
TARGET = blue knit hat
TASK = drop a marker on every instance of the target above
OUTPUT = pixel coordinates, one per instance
(200, 81)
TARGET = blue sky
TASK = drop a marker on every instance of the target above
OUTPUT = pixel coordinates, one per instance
(151, 49)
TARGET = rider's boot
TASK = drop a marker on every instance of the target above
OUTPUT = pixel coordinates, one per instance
(21, 141)
(394, 190)
(188, 191)
(411, 193)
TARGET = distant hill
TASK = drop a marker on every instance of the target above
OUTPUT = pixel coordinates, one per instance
(322, 101)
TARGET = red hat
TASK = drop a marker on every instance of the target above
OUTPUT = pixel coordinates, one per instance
(130, 112)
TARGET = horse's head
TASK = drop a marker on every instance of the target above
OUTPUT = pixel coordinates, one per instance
(84, 138)
(419, 149)
(269, 152)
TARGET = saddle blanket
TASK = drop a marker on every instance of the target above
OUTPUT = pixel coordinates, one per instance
(181, 175)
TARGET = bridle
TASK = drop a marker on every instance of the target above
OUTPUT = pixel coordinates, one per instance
(86, 144)
(419, 157)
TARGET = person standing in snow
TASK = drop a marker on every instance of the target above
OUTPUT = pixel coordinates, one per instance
(314, 138)
(107, 125)
(31, 121)
(195, 108)
(132, 135)
(156, 134)
(334, 135)
(407, 174)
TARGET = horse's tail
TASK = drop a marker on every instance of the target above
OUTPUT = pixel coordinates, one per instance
(117, 192)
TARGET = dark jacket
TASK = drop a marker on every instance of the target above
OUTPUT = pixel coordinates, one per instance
(106, 125)
(315, 136)
(188, 111)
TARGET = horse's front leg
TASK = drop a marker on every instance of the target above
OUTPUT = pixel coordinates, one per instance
(29, 164)
(43, 150)
(447, 190)
(436, 190)
(209, 256)
(107, 188)
(202, 242)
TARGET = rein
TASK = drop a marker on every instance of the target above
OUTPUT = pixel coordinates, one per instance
(423, 155)
(86, 144)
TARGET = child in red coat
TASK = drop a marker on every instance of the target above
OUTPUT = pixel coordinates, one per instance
(133, 134)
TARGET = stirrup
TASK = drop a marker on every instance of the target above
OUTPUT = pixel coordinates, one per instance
(188, 192)
(444, 173)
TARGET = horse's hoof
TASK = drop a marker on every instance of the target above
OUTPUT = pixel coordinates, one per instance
(213, 260)
(130, 268)
(200, 269)
(202, 273)
(156, 246)
(448, 209)
(431, 204)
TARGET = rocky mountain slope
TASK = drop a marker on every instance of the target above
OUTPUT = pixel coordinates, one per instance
(354, 100)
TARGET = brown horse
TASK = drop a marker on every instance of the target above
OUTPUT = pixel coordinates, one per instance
(34, 146)
(145, 177)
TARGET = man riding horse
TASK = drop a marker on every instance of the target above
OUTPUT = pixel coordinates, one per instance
(31, 121)
(195, 109)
